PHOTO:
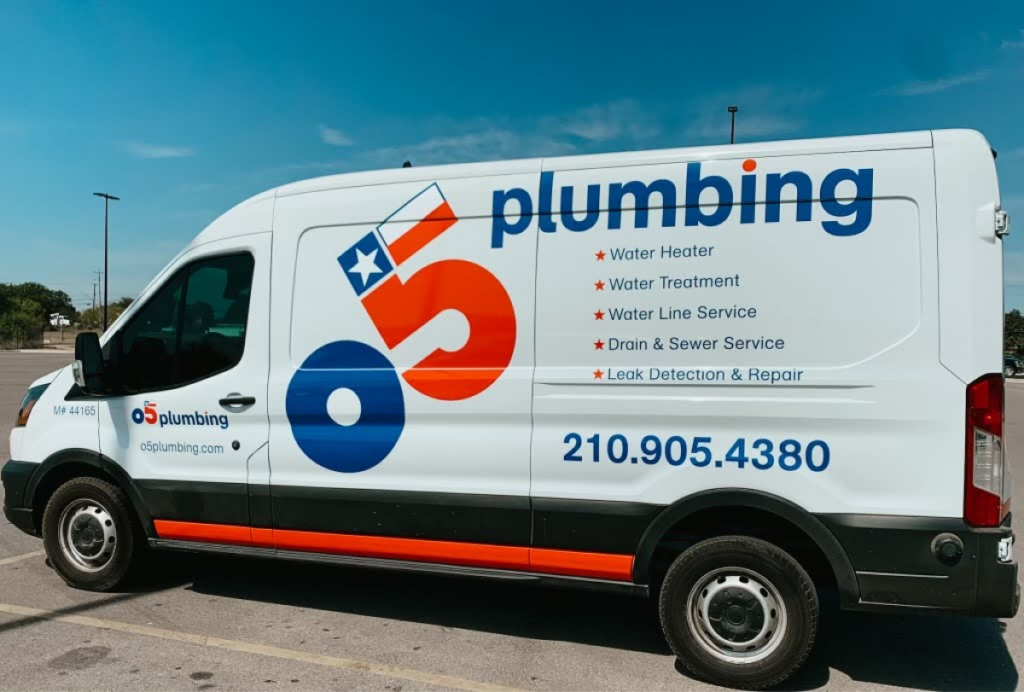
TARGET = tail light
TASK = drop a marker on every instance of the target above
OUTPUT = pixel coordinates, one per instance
(986, 481)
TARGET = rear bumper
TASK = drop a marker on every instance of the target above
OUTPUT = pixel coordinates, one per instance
(897, 568)
(15, 477)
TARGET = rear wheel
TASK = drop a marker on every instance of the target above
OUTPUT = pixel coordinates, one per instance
(1009, 371)
(91, 537)
(739, 612)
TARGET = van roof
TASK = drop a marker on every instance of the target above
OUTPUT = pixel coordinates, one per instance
(902, 140)
(256, 213)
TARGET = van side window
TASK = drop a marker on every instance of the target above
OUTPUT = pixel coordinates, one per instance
(192, 328)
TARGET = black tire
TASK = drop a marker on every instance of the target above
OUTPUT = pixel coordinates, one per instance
(129, 545)
(784, 655)
(1009, 372)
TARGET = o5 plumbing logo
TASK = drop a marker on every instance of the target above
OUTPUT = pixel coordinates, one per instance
(399, 309)
(149, 415)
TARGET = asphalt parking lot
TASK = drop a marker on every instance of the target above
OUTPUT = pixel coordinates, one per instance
(242, 624)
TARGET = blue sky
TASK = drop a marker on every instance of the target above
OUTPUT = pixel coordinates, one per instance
(184, 109)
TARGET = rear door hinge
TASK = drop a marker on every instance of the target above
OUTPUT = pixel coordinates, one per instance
(1002, 223)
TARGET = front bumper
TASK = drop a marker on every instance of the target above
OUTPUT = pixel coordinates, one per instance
(897, 568)
(15, 477)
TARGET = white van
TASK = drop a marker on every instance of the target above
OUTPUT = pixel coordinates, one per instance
(724, 377)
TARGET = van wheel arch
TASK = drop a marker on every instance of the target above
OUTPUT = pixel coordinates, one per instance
(781, 513)
(62, 466)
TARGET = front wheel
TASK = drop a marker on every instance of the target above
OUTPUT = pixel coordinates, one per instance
(91, 537)
(739, 612)
(1009, 372)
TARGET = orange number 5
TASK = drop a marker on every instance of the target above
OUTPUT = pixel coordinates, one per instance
(400, 309)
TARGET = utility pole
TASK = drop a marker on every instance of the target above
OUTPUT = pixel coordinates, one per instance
(106, 252)
(732, 130)
(95, 284)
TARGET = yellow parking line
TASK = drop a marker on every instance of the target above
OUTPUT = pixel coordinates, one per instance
(19, 558)
(262, 650)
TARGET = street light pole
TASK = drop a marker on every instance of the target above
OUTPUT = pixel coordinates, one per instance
(106, 251)
(732, 130)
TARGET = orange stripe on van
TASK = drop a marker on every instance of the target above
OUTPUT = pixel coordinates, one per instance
(207, 533)
(263, 538)
(568, 563)
(413, 240)
(579, 564)
(419, 550)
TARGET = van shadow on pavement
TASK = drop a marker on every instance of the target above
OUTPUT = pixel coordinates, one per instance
(923, 652)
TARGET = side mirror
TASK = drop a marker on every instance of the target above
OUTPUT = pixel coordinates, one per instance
(88, 366)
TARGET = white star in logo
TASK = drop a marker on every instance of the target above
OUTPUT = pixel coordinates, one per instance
(365, 265)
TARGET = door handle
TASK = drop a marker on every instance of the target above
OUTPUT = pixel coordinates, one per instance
(237, 400)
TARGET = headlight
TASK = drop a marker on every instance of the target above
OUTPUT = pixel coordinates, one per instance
(29, 403)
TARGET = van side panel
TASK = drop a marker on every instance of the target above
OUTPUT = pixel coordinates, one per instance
(970, 255)
(762, 324)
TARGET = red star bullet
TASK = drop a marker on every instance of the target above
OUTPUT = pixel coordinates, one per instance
(598, 315)
(598, 374)
(600, 255)
(599, 345)
(599, 285)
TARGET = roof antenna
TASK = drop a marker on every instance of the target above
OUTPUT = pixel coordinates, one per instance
(407, 164)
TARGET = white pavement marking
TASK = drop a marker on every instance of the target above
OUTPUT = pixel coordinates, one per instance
(415, 676)
(19, 558)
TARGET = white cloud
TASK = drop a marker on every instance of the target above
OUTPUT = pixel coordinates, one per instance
(1009, 45)
(486, 145)
(321, 167)
(489, 139)
(747, 126)
(763, 112)
(144, 150)
(334, 137)
(203, 187)
(1017, 153)
(934, 86)
(619, 124)
(612, 121)
(490, 144)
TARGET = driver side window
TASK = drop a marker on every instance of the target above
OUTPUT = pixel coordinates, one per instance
(192, 328)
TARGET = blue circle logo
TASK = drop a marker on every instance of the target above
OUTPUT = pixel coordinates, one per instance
(371, 376)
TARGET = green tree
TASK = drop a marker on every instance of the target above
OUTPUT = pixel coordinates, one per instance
(1013, 332)
(92, 318)
(21, 321)
(49, 300)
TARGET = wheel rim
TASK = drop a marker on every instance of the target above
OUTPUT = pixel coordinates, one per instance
(736, 615)
(88, 535)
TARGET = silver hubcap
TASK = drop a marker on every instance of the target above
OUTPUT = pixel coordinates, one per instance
(736, 615)
(88, 536)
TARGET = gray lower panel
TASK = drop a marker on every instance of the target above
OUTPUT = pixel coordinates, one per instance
(401, 565)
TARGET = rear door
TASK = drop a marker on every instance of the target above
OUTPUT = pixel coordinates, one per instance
(192, 357)
(766, 323)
